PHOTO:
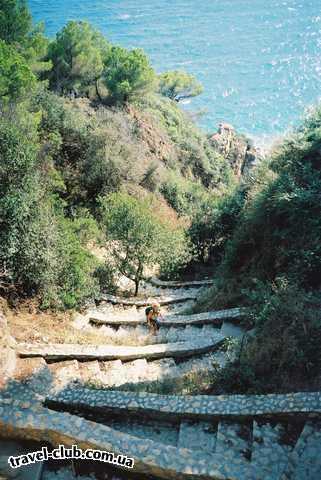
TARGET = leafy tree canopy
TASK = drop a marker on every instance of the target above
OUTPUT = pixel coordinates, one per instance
(77, 56)
(133, 232)
(16, 76)
(15, 21)
(179, 85)
(127, 74)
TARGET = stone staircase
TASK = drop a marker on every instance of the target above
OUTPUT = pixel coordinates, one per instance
(272, 438)
(115, 373)
(266, 437)
(185, 344)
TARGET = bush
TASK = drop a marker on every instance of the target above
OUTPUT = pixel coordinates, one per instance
(176, 253)
(214, 222)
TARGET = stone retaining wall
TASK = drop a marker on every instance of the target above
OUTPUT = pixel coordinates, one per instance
(191, 406)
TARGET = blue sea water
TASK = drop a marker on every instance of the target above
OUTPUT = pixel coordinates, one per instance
(259, 60)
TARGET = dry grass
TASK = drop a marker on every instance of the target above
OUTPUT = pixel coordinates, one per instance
(45, 327)
(29, 326)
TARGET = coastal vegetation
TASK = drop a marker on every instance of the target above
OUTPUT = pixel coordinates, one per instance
(93, 155)
(95, 152)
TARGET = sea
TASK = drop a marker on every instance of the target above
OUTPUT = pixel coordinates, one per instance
(258, 60)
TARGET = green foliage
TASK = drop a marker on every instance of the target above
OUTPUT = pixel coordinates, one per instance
(41, 252)
(182, 195)
(106, 276)
(15, 21)
(77, 55)
(16, 77)
(133, 233)
(75, 275)
(179, 85)
(175, 253)
(284, 354)
(127, 75)
(95, 154)
(213, 223)
(137, 239)
(35, 49)
(195, 157)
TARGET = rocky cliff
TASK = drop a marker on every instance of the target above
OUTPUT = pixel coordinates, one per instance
(235, 148)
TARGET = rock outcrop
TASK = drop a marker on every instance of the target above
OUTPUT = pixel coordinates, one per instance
(235, 148)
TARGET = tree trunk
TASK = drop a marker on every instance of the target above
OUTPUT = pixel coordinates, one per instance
(97, 91)
(136, 286)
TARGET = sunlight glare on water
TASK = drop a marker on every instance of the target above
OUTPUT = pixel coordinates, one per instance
(259, 61)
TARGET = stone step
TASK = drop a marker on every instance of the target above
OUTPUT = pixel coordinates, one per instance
(160, 369)
(112, 373)
(269, 454)
(212, 318)
(64, 373)
(112, 352)
(209, 331)
(174, 334)
(305, 460)
(161, 432)
(208, 362)
(190, 332)
(169, 300)
(177, 284)
(89, 371)
(234, 439)
(153, 449)
(136, 371)
(33, 373)
(291, 405)
(197, 435)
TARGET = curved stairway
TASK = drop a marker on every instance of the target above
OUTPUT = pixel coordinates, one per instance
(185, 344)
(267, 437)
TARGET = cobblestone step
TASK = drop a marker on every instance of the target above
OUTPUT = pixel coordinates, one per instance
(197, 435)
(269, 454)
(305, 460)
(234, 439)
(160, 432)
